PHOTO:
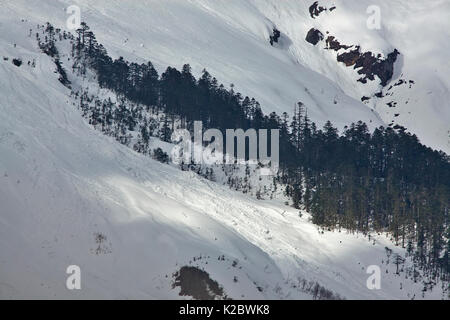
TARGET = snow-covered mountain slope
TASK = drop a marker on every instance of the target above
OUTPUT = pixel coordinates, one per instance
(419, 30)
(231, 39)
(71, 196)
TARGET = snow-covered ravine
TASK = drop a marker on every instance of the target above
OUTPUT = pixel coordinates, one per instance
(72, 196)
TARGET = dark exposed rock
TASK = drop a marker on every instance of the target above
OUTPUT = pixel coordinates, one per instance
(392, 104)
(315, 9)
(364, 98)
(368, 63)
(362, 80)
(402, 82)
(314, 36)
(275, 36)
(379, 94)
(335, 45)
(399, 82)
(349, 58)
(17, 62)
(197, 284)
(384, 69)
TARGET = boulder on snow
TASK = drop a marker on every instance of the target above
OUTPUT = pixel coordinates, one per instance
(17, 62)
(276, 34)
(315, 9)
(314, 36)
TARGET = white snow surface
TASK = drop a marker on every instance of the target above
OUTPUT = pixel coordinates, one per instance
(62, 182)
(230, 39)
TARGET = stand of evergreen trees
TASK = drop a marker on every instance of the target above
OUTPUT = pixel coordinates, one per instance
(381, 181)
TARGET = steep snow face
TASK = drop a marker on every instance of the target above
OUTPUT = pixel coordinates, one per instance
(69, 195)
(231, 39)
(419, 30)
(72, 196)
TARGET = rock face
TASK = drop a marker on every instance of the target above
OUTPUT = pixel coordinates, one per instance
(368, 63)
(315, 9)
(276, 34)
(387, 70)
(314, 36)
(349, 58)
(197, 284)
(371, 65)
(17, 62)
(335, 45)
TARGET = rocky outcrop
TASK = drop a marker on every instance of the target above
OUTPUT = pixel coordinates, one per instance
(197, 284)
(349, 58)
(368, 64)
(17, 62)
(314, 36)
(276, 34)
(333, 44)
(315, 9)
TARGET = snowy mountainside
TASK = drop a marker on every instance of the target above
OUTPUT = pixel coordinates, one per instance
(231, 40)
(234, 49)
(70, 195)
